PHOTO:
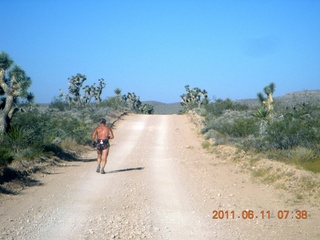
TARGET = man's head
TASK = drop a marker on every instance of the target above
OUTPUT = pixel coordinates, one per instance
(102, 120)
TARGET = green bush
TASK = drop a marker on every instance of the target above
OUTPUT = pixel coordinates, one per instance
(58, 103)
(303, 155)
(116, 103)
(293, 128)
(238, 128)
(40, 130)
(241, 127)
(232, 123)
(17, 138)
(218, 107)
(6, 156)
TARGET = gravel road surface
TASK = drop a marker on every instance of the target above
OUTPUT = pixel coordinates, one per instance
(160, 184)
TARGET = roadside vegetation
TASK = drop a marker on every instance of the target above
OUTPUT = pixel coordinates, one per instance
(276, 141)
(287, 130)
(29, 131)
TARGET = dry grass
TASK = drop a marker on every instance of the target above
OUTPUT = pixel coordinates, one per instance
(69, 144)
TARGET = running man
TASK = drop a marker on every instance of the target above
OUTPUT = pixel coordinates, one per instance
(100, 139)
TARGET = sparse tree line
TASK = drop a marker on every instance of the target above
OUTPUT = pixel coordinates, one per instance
(27, 131)
(80, 96)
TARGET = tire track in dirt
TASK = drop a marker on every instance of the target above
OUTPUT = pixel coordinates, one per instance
(173, 210)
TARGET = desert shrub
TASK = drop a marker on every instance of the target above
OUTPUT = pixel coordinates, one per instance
(303, 155)
(211, 134)
(40, 130)
(239, 127)
(69, 144)
(17, 138)
(293, 128)
(58, 103)
(115, 103)
(261, 113)
(23, 143)
(91, 113)
(200, 111)
(34, 127)
(6, 156)
(30, 153)
(219, 106)
(68, 127)
(233, 123)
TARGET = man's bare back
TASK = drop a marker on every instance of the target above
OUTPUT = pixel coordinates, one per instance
(102, 132)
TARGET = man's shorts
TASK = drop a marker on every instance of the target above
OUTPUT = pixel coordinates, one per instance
(102, 144)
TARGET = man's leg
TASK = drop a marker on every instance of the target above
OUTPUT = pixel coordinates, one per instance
(104, 157)
(98, 161)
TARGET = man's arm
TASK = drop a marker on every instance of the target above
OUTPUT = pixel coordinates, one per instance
(94, 134)
(111, 136)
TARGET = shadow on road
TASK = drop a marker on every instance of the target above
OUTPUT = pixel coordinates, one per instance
(126, 169)
(17, 180)
(6, 191)
(86, 159)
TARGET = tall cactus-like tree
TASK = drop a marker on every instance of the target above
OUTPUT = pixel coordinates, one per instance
(194, 98)
(75, 96)
(132, 100)
(75, 86)
(136, 105)
(118, 91)
(267, 102)
(98, 90)
(14, 84)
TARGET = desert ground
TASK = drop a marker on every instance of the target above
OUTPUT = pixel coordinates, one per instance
(160, 184)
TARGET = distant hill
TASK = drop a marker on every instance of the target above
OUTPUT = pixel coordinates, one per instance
(165, 108)
(287, 99)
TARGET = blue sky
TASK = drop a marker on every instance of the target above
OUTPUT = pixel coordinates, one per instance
(233, 49)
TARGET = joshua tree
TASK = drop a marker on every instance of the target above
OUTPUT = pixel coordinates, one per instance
(132, 100)
(267, 102)
(74, 91)
(194, 98)
(98, 90)
(13, 85)
(146, 109)
(136, 105)
(117, 91)
(118, 97)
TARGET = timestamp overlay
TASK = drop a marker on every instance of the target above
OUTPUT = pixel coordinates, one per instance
(249, 214)
(297, 222)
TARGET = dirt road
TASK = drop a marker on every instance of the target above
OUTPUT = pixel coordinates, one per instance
(160, 184)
